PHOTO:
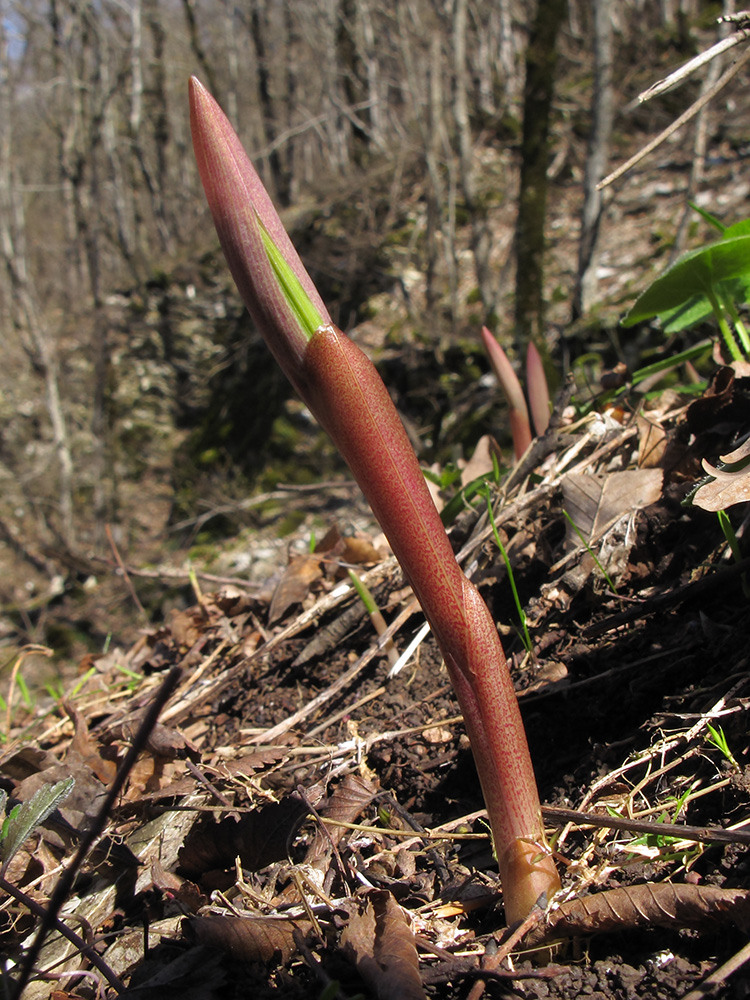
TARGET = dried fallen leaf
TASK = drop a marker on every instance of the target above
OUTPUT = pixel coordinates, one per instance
(720, 402)
(196, 974)
(85, 750)
(653, 904)
(729, 485)
(187, 626)
(595, 502)
(294, 584)
(652, 442)
(381, 945)
(480, 463)
(359, 550)
(344, 806)
(249, 939)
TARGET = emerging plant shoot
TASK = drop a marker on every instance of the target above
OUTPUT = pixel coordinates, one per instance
(344, 391)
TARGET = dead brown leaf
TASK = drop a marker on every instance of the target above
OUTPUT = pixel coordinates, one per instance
(187, 626)
(294, 584)
(595, 502)
(652, 443)
(359, 550)
(85, 750)
(480, 463)
(380, 943)
(653, 904)
(718, 402)
(249, 939)
(345, 805)
(730, 485)
(196, 974)
(31, 768)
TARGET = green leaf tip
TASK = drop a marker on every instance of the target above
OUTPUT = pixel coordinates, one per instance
(297, 298)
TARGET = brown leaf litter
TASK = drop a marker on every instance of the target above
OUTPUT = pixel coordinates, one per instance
(300, 816)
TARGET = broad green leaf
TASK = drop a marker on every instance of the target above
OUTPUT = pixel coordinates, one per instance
(741, 228)
(698, 308)
(694, 274)
(24, 819)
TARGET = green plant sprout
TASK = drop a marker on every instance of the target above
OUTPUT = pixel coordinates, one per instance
(463, 497)
(656, 846)
(525, 637)
(602, 570)
(134, 678)
(376, 617)
(56, 691)
(717, 739)
(712, 280)
(734, 546)
(26, 696)
(343, 390)
(23, 819)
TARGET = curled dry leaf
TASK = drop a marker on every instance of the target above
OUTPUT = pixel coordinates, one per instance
(480, 463)
(345, 805)
(85, 750)
(652, 904)
(359, 551)
(381, 944)
(730, 485)
(652, 442)
(294, 584)
(249, 939)
(187, 626)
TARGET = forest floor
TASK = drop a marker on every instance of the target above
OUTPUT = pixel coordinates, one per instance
(303, 824)
(300, 818)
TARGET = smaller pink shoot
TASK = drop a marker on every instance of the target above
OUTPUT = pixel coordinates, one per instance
(518, 411)
(537, 389)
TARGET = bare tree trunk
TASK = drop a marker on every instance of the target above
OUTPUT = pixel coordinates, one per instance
(541, 62)
(508, 50)
(274, 175)
(233, 58)
(197, 48)
(158, 117)
(353, 78)
(443, 193)
(292, 43)
(481, 241)
(376, 100)
(35, 339)
(602, 115)
(700, 141)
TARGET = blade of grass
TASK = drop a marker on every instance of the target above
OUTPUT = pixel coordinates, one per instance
(591, 552)
(525, 637)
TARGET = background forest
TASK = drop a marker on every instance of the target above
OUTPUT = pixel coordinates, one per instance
(139, 408)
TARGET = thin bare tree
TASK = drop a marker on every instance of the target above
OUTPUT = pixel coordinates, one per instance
(602, 116)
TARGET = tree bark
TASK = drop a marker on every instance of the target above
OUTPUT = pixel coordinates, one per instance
(35, 338)
(481, 240)
(541, 62)
(602, 115)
